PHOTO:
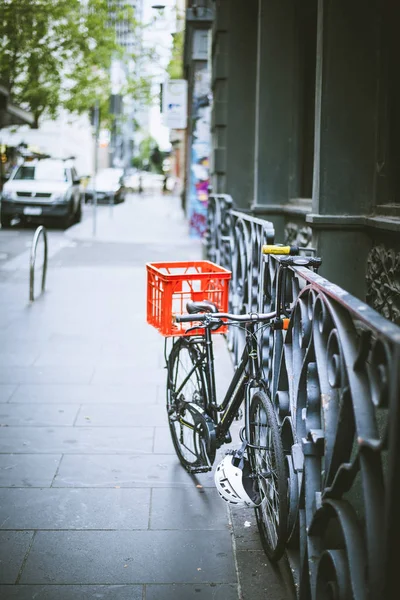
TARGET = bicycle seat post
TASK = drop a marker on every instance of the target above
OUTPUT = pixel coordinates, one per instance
(209, 365)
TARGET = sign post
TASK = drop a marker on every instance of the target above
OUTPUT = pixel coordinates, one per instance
(95, 118)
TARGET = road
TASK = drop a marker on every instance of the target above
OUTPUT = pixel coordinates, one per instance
(15, 243)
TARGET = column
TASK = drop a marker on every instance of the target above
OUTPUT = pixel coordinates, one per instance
(345, 137)
(233, 83)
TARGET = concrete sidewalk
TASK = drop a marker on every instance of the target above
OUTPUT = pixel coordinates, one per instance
(93, 501)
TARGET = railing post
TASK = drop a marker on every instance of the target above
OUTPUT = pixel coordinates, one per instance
(392, 524)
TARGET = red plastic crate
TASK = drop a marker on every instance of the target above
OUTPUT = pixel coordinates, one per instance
(170, 285)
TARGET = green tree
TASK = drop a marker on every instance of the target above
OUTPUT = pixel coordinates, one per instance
(150, 157)
(175, 66)
(57, 53)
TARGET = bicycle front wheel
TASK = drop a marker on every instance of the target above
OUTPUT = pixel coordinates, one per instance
(268, 464)
(190, 427)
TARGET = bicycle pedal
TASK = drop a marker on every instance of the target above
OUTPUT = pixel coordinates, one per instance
(194, 470)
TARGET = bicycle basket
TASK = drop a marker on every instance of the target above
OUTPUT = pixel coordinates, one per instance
(170, 285)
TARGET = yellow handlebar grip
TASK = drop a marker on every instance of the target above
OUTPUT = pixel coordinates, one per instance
(271, 249)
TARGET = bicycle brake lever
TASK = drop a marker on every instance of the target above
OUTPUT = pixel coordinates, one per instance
(200, 326)
(208, 322)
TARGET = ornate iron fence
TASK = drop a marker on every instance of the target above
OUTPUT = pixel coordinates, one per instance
(333, 377)
(234, 240)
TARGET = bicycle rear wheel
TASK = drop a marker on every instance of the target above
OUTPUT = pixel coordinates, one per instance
(267, 460)
(192, 431)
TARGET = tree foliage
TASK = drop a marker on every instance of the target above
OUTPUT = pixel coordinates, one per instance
(57, 53)
(150, 156)
(175, 66)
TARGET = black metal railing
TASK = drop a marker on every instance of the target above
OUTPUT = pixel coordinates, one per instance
(234, 240)
(334, 380)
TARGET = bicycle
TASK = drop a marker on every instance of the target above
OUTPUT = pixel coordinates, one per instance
(254, 475)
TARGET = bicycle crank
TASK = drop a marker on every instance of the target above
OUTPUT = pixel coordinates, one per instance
(204, 437)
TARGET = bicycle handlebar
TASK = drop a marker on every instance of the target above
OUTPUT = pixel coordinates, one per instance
(277, 249)
(212, 317)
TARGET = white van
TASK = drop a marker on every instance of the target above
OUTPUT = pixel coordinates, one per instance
(41, 189)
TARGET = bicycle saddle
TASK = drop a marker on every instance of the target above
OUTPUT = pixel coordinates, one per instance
(201, 307)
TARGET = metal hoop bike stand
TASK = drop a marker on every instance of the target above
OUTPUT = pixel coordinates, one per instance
(39, 231)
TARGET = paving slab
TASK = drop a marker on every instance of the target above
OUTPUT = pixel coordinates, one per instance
(22, 415)
(142, 413)
(162, 441)
(75, 440)
(14, 546)
(72, 592)
(53, 374)
(244, 524)
(192, 592)
(109, 470)
(133, 359)
(119, 254)
(137, 375)
(6, 391)
(83, 394)
(132, 557)
(188, 509)
(21, 358)
(27, 470)
(260, 578)
(49, 508)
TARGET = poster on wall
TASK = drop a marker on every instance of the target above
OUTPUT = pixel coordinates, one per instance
(175, 103)
(200, 152)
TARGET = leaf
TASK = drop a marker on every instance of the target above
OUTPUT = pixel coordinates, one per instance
(57, 53)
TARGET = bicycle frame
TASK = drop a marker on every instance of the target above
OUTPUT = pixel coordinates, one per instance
(246, 375)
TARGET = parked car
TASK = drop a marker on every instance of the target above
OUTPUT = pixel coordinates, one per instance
(132, 181)
(109, 185)
(39, 189)
(144, 181)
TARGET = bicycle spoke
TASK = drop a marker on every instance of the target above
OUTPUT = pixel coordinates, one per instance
(189, 449)
(185, 385)
(267, 460)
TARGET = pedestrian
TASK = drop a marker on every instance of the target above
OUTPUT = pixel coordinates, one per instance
(165, 189)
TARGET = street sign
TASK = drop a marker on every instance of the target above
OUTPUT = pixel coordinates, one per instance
(175, 103)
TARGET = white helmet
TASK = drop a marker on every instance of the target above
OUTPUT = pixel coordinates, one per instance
(233, 481)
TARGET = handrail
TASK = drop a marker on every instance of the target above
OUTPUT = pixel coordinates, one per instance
(39, 231)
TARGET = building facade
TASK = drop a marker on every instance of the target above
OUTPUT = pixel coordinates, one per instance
(124, 108)
(305, 129)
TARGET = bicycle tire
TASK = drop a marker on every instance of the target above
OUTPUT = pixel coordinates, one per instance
(267, 460)
(190, 429)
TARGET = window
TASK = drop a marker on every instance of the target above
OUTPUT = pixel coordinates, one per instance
(43, 171)
(25, 173)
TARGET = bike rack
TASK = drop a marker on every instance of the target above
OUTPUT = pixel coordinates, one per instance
(39, 231)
